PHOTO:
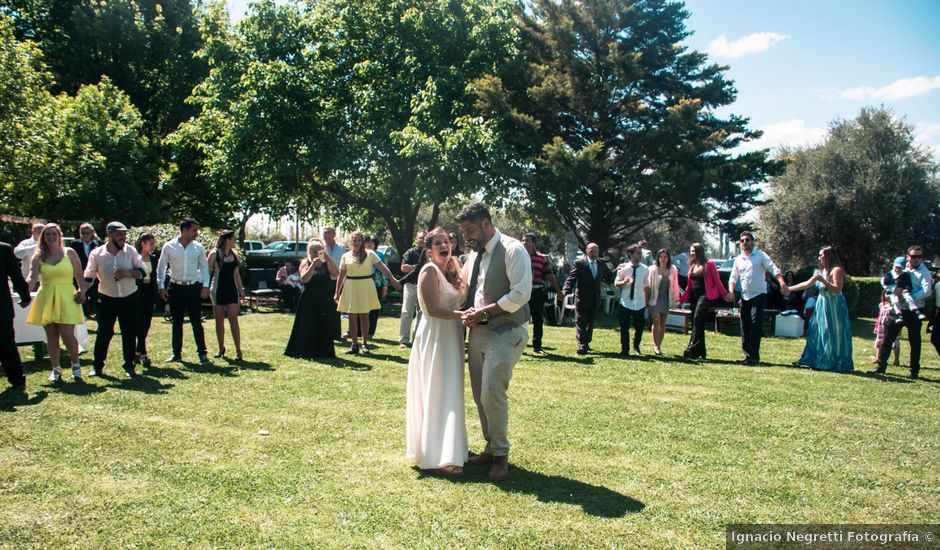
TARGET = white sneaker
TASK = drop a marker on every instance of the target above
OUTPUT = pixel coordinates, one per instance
(56, 375)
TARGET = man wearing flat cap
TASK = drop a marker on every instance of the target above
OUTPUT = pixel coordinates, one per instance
(117, 268)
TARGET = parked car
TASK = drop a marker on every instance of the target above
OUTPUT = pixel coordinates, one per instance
(392, 257)
(276, 252)
(250, 246)
(724, 270)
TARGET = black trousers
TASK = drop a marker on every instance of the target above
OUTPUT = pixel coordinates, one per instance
(90, 305)
(584, 324)
(752, 321)
(537, 310)
(290, 293)
(935, 335)
(696, 345)
(127, 313)
(147, 303)
(9, 354)
(374, 314)
(628, 317)
(335, 317)
(892, 330)
(186, 301)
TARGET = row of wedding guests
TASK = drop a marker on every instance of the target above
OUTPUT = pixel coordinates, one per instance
(653, 290)
(129, 280)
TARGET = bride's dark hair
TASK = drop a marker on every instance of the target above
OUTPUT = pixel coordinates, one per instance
(452, 269)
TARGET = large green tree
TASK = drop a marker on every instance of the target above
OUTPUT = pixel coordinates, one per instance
(360, 109)
(410, 137)
(264, 122)
(868, 189)
(145, 47)
(615, 122)
(23, 81)
(86, 156)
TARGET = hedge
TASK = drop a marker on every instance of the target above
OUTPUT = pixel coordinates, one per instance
(868, 298)
(862, 294)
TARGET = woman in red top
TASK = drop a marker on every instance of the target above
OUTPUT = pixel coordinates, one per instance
(703, 286)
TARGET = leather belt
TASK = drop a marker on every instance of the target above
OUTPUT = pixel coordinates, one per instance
(185, 283)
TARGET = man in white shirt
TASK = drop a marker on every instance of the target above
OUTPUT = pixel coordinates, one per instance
(499, 278)
(27, 247)
(335, 250)
(750, 269)
(117, 268)
(633, 282)
(189, 286)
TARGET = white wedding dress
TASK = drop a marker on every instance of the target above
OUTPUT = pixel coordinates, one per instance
(436, 420)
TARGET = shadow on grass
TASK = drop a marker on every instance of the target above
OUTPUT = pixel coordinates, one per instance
(211, 369)
(884, 377)
(143, 384)
(616, 356)
(342, 363)
(70, 387)
(384, 342)
(593, 499)
(11, 399)
(555, 357)
(250, 365)
(164, 372)
(386, 357)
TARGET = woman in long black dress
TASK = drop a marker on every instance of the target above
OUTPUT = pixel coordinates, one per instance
(147, 291)
(226, 290)
(312, 335)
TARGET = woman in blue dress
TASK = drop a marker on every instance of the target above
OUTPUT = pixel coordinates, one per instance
(829, 339)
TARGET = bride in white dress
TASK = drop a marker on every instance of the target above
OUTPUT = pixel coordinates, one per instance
(436, 421)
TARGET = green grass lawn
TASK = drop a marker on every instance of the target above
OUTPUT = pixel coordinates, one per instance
(646, 452)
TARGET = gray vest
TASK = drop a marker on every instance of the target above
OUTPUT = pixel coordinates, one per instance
(495, 286)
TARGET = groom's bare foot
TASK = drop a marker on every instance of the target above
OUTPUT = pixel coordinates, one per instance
(477, 459)
(500, 468)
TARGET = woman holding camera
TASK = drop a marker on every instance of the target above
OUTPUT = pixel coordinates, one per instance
(312, 335)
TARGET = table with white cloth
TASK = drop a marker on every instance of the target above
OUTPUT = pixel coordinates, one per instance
(33, 334)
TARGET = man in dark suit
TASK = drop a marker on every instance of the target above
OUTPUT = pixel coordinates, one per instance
(9, 355)
(83, 247)
(585, 281)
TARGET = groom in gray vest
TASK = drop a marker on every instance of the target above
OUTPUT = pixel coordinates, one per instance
(498, 272)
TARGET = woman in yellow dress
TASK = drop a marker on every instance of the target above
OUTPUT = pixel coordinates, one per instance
(57, 307)
(355, 292)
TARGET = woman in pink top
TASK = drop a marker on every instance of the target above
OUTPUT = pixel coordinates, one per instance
(703, 286)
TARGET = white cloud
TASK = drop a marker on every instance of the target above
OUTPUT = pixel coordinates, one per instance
(746, 45)
(899, 89)
(927, 135)
(791, 133)
(927, 130)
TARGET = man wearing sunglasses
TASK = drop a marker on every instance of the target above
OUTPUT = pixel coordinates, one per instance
(750, 269)
(921, 279)
(83, 247)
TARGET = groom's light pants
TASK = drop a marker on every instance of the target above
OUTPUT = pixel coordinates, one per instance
(409, 312)
(491, 358)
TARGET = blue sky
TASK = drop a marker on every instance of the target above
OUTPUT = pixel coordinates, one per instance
(799, 64)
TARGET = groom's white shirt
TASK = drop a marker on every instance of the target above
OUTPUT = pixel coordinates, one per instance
(518, 269)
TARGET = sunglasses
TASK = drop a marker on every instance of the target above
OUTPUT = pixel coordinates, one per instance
(915, 256)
